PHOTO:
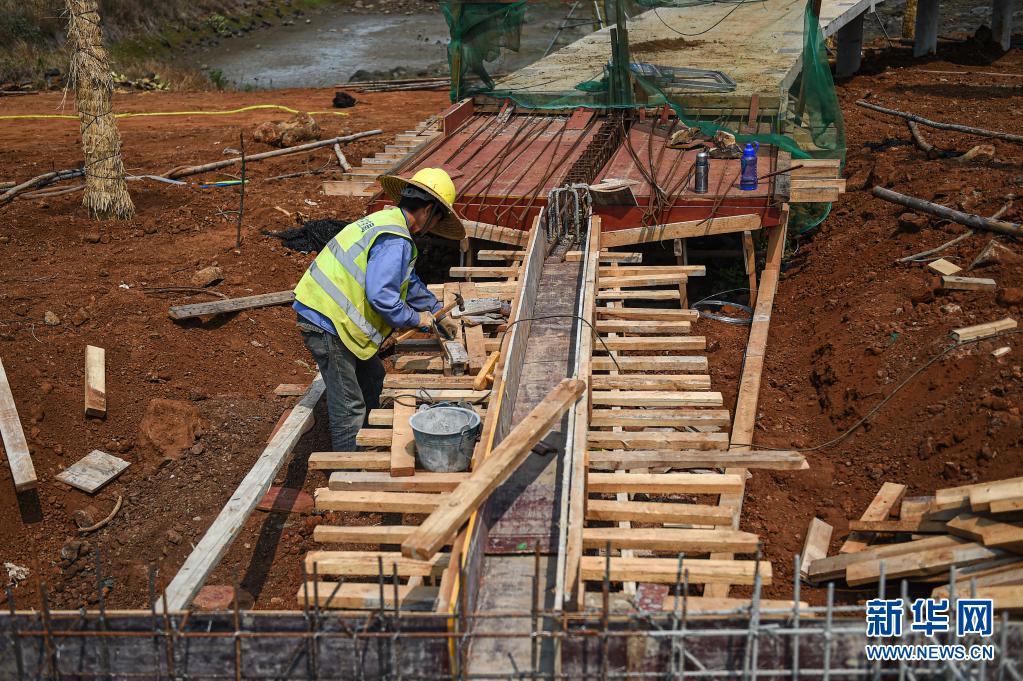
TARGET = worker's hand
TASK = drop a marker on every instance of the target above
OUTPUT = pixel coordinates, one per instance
(449, 324)
(426, 320)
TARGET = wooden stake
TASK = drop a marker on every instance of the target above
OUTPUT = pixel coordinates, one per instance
(95, 381)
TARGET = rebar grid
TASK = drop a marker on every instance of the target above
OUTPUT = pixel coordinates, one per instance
(748, 642)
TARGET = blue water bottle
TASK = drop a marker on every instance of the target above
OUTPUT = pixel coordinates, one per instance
(748, 179)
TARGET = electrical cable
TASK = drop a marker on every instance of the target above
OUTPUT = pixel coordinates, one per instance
(876, 408)
(712, 27)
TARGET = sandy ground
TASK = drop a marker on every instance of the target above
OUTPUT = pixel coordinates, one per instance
(849, 325)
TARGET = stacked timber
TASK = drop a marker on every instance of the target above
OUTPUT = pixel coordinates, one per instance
(967, 541)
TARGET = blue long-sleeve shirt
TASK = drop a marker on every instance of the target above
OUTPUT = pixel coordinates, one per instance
(385, 268)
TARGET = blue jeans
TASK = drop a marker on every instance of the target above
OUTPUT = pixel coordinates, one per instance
(353, 385)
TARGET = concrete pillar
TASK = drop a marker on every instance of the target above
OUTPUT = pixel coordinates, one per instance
(926, 41)
(1001, 21)
(850, 47)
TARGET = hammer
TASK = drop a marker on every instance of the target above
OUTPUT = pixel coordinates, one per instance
(394, 340)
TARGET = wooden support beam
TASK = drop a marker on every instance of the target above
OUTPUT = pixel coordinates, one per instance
(665, 570)
(354, 596)
(670, 539)
(485, 375)
(669, 363)
(659, 418)
(915, 526)
(418, 363)
(749, 257)
(641, 280)
(647, 313)
(229, 523)
(644, 270)
(602, 439)
(416, 381)
(642, 326)
(377, 502)
(984, 330)
(362, 534)
(484, 272)
(834, 567)
(355, 481)
(340, 461)
(645, 295)
(231, 305)
(985, 496)
(443, 524)
(652, 382)
(487, 255)
(657, 512)
(662, 483)
(18, 456)
(681, 230)
(441, 394)
(373, 437)
(622, 257)
(504, 235)
(367, 563)
(668, 458)
(656, 398)
(677, 343)
(95, 381)
(475, 344)
(919, 564)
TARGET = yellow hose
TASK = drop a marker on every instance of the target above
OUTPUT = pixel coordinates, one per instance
(134, 114)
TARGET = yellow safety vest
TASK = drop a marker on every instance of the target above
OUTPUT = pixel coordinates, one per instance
(335, 283)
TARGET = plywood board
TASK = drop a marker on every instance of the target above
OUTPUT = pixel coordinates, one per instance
(92, 472)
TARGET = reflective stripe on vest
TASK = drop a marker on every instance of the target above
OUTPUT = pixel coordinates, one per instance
(335, 283)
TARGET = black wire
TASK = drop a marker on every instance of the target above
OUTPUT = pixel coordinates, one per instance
(712, 27)
(593, 329)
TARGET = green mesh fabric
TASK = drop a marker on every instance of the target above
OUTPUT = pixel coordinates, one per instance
(810, 126)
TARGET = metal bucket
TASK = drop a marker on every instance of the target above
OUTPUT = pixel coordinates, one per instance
(445, 435)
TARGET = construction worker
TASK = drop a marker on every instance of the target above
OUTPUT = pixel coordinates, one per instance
(363, 285)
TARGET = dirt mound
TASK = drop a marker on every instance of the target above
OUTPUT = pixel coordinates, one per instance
(170, 427)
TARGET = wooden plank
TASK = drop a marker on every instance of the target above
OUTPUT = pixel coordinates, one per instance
(231, 305)
(403, 443)
(15, 445)
(418, 363)
(474, 340)
(643, 270)
(416, 381)
(670, 539)
(93, 471)
(968, 283)
(681, 230)
(662, 483)
(372, 481)
(367, 563)
(657, 363)
(487, 289)
(602, 439)
(95, 381)
(362, 534)
(652, 382)
(656, 398)
(291, 389)
(440, 394)
(443, 524)
(951, 498)
(667, 458)
(485, 375)
(645, 295)
(983, 496)
(641, 280)
(488, 255)
(917, 526)
(642, 326)
(917, 564)
(885, 502)
(815, 545)
(504, 235)
(608, 257)
(485, 272)
(377, 502)
(350, 188)
(373, 437)
(354, 596)
(338, 461)
(665, 570)
(992, 532)
(644, 313)
(801, 193)
(677, 343)
(834, 567)
(229, 523)
(984, 330)
(657, 512)
(1005, 597)
(942, 266)
(659, 418)
(1004, 574)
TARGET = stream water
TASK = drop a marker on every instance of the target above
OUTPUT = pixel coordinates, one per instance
(335, 43)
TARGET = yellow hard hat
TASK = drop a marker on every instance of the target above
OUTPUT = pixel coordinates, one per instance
(437, 183)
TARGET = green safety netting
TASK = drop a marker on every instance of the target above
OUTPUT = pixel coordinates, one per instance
(810, 126)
